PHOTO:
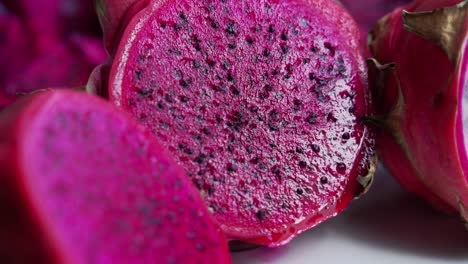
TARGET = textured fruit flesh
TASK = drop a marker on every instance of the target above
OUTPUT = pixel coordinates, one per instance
(259, 101)
(429, 125)
(96, 188)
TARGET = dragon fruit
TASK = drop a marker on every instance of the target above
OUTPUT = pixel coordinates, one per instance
(259, 101)
(367, 12)
(420, 83)
(51, 20)
(84, 183)
(30, 62)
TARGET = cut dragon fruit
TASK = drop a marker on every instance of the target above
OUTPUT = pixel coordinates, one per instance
(83, 183)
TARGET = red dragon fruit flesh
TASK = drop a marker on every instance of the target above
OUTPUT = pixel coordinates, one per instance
(83, 183)
(259, 101)
(420, 76)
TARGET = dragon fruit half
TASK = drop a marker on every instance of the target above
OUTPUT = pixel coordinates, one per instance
(83, 183)
(420, 77)
(259, 101)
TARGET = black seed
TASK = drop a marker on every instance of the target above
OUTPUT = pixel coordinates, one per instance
(231, 168)
(249, 149)
(184, 99)
(218, 119)
(231, 29)
(323, 180)
(312, 76)
(145, 92)
(230, 78)
(302, 164)
(206, 131)
(271, 29)
(315, 148)
(234, 90)
(297, 102)
(183, 18)
(268, 88)
(168, 99)
(232, 46)
(341, 167)
(226, 65)
(341, 69)
(284, 49)
(200, 158)
(184, 83)
(276, 71)
(287, 76)
(274, 114)
(188, 151)
(314, 49)
(249, 40)
(273, 145)
(160, 105)
(306, 61)
(210, 63)
(254, 109)
(138, 74)
(346, 136)
(261, 214)
(266, 53)
(312, 118)
(299, 191)
(196, 64)
(262, 96)
(299, 150)
(213, 23)
(284, 36)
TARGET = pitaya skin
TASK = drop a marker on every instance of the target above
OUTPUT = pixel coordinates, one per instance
(419, 73)
(368, 12)
(264, 184)
(83, 182)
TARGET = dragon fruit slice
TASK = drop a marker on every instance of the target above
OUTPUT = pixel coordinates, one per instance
(83, 183)
(259, 101)
(421, 91)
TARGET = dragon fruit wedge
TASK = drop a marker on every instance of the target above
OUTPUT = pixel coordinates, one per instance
(420, 76)
(259, 101)
(83, 183)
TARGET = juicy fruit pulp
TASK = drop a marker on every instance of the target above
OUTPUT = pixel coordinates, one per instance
(423, 99)
(259, 101)
(90, 186)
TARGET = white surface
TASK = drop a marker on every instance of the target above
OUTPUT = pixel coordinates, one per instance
(387, 226)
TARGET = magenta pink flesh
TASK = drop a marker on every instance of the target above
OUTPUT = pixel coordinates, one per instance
(259, 101)
(98, 187)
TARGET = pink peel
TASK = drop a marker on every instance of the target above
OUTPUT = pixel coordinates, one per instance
(430, 75)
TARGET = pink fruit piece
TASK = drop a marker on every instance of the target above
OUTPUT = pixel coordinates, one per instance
(422, 99)
(68, 63)
(259, 101)
(84, 183)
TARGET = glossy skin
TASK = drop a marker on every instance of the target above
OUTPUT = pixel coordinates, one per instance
(89, 185)
(368, 12)
(273, 143)
(431, 157)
